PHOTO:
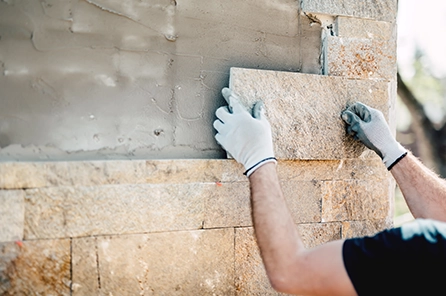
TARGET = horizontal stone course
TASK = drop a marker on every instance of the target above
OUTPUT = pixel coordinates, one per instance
(370, 9)
(24, 175)
(305, 110)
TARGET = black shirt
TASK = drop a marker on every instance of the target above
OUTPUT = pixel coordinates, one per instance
(410, 260)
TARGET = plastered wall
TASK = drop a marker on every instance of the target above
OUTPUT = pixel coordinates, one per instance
(81, 78)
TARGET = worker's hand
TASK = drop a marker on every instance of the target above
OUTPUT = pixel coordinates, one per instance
(246, 137)
(370, 127)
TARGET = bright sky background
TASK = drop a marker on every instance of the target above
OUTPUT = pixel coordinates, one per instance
(422, 23)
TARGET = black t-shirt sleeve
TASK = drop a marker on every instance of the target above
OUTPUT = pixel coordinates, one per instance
(410, 260)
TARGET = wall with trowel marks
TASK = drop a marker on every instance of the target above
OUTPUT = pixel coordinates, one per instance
(94, 79)
(126, 88)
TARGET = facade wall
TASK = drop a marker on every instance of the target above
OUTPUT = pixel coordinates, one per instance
(172, 226)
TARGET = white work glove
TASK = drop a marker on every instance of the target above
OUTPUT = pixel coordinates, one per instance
(370, 127)
(246, 137)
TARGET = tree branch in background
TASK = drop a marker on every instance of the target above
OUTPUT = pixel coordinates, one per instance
(430, 141)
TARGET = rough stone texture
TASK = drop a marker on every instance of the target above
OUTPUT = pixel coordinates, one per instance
(35, 268)
(369, 9)
(177, 263)
(250, 275)
(360, 58)
(304, 200)
(355, 200)
(302, 126)
(362, 28)
(364, 228)
(72, 212)
(12, 215)
(95, 173)
(84, 260)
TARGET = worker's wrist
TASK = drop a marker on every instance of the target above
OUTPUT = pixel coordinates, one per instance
(260, 163)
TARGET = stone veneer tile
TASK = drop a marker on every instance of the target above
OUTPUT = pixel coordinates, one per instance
(39, 267)
(303, 200)
(114, 209)
(89, 173)
(364, 228)
(85, 276)
(363, 28)
(250, 274)
(197, 262)
(305, 110)
(12, 215)
(360, 58)
(355, 200)
(228, 205)
(303, 170)
(370, 9)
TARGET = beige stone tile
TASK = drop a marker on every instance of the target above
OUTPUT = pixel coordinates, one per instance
(228, 205)
(35, 267)
(304, 200)
(197, 262)
(84, 260)
(360, 58)
(250, 274)
(363, 28)
(305, 110)
(364, 228)
(114, 209)
(355, 200)
(314, 234)
(375, 9)
(12, 215)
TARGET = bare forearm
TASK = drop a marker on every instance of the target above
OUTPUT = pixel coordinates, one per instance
(425, 193)
(276, 233)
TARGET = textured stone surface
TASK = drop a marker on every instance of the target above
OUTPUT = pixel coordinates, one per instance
(84, 260)
(80, 211)
(304, 200)
(22, 175)
(363, 28)
(304, 110)
(364, 228)
(177, 263)
(250, 277)
(228, 205)
(12, 215)
(360, 58)
(355, 200)
(372, 9)
(35, 268)
(90, 173)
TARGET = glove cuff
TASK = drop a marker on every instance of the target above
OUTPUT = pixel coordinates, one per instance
(394, 156)
(251, 170)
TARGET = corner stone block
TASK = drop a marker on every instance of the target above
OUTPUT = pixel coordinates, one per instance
(85, 275)
(355, 200)
(305, 110)
(12, 215)
(360, 58)
(114, 209)
(384, 10)
(363, 28)
(35, 268)
(197, 262)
